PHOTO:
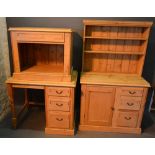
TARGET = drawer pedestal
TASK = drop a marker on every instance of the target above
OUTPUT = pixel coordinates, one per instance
(59, 110)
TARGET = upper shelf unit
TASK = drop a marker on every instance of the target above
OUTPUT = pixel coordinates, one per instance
(42, 53)
(118, 40)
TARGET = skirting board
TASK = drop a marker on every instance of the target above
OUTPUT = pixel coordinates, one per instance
(109, 129)
(59, 131)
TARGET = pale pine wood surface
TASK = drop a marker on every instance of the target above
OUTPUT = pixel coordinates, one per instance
(113, 79)
(96, 112)
(126, 105)
(117, 23)
(12, 80)
(45, 68)
(39, 47)
(40, 29)
(115, 46)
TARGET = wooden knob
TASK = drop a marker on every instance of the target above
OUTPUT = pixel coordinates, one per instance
(112, 108)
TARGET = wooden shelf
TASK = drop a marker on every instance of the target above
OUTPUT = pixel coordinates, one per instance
(114, 52)
(45, 69)
(115, 38)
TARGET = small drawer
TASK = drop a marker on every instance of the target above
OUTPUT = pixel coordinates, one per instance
(40, 36)
(58, 91)
(129, 103)
(127, 91)
(58, 120)
(56, 104)
(127, 119)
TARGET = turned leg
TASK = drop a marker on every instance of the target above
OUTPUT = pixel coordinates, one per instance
(12, 105)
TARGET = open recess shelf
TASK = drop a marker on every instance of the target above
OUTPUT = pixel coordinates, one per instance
(48, 58)
(42, 53)
(114, 46)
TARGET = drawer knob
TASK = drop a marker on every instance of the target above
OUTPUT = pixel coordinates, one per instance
(59, 104)
(132, 92)
(59, 92)
(127, 118)
(112, 108)
(59, 119)
(130, 104)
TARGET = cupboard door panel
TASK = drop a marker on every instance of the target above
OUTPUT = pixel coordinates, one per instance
(99, 105)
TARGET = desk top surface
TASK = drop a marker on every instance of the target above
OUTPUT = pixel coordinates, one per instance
(12, 80)
(113, 79)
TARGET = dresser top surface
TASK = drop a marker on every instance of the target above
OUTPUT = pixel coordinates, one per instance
(113, 79)
(39, 29)
(12, 80)
(118, 23)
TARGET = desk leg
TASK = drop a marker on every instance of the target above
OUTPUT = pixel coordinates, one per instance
(12, 105)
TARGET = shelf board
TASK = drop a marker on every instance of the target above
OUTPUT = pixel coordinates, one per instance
(114, 52)
(115, 38)
(45, 68)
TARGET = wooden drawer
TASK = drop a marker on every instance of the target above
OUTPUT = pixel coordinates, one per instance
(58, 91)
(129, 91)
(127, 119)
(129, 103)
(58, 120)
(57, 104)
(40, 37)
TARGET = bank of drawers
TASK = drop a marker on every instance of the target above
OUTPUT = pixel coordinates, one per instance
(58, 107)
(128, 106)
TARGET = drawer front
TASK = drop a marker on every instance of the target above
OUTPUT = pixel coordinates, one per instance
(129, 103)
(57, 104)
(58, 91)
(127, 91)
(127, 119)
(40, 37)
(58, 120)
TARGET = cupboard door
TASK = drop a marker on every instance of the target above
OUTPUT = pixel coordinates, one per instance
(99, 105)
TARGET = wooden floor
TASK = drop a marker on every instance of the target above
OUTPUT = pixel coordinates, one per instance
(34, 122)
